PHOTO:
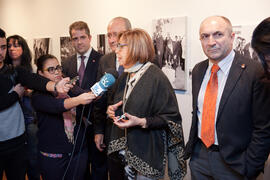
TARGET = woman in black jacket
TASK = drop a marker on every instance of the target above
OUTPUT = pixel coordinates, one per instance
(62, 149)
(147, 125)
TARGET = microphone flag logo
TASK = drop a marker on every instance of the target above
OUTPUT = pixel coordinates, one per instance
(105, 82)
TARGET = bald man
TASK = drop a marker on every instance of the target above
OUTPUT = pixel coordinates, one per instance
(109, 61)
(230, 132)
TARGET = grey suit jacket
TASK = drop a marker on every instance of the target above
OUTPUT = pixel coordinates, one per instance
(243, 126)
(106, 62)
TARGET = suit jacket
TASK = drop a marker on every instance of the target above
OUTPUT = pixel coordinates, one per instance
(106, 62)
(90, 74)
(243, 126)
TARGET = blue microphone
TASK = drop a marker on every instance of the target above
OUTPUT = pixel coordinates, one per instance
(106, 81)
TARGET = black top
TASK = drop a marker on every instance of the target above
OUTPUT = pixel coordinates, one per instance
(32, 81)
(8, 99)
(51, 133)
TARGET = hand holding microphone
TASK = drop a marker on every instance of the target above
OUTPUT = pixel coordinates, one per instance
(86, 98)
(106, 81)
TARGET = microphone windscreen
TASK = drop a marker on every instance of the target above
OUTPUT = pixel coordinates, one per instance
(105, 82)
(113, 72)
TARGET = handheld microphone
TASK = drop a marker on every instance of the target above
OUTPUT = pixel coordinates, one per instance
(106, 81)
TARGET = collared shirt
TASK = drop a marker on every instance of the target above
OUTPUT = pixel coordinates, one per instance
(116, 63)
(87, 54)
(224, 65)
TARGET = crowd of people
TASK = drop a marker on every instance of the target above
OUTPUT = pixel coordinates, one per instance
(53, 127)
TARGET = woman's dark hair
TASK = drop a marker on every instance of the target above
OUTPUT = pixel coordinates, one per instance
(26, 57)
(41, 61)
(260, 41)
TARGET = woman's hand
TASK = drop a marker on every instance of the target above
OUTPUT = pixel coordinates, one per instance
(19, 89)
(130, 121)
(112, 108)
(63, 86)
(86, 98)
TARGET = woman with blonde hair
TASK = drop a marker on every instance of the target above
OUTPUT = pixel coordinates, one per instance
(146, 130)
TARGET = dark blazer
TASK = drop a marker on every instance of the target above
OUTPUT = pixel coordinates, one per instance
(90, 74)
(243, 126)
(106, 62)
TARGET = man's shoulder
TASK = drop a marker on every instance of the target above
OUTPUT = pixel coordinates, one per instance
(95, 54)
(108, 60)
(108, 57)
(201, 64)
(251, 64)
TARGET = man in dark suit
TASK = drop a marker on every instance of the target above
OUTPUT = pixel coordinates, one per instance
(159, 50)
(109, 61)
(85, 65)
(230, 132)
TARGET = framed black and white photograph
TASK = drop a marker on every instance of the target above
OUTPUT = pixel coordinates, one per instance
(66, 48)
(242, 41)
(169, 37)
(102, 44)
(41, 47)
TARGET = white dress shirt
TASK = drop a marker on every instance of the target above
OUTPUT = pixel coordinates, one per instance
(224, 65)
(87, 54)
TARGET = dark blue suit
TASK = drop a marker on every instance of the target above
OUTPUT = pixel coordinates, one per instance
(242, 125)
(97, 158)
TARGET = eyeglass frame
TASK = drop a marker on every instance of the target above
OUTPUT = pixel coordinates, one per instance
(52, 70)
(119, 45)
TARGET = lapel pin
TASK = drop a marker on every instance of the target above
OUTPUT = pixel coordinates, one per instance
(243, 66)
(93, 60)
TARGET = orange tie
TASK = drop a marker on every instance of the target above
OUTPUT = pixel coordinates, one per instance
(209, 109)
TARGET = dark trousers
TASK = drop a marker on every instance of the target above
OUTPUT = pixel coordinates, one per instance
(32, 151)
(56, 168)
(116, 167)
(207, 164)
(13, 163)
(97, 160)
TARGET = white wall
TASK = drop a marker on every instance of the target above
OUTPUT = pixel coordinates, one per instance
(51, 18)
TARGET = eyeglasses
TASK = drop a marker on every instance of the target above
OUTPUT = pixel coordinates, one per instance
(119, 45)
(52, 70)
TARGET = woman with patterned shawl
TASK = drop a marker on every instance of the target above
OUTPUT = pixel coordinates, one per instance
(146, 132)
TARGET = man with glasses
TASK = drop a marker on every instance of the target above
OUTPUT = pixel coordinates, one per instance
(109, 61)
(85, 65)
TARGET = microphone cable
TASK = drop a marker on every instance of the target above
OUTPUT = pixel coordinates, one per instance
(79, 153)
(75, 142)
